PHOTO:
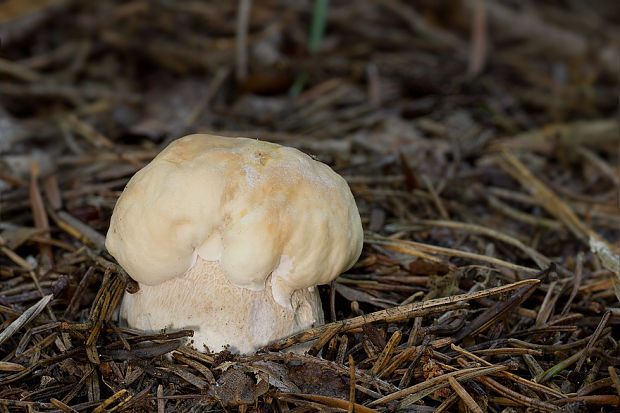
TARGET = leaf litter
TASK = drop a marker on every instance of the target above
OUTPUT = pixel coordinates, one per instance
(479, 138)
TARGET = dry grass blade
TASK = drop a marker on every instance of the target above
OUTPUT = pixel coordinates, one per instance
(18, 71)
(609, 260)
(538, 258)
(549, 348)
(601, 164)
(78, 229)
(518, 215)
(419, 25)
(14, 257)
(405, 246)
(25, 318)
(506, 351)
(552, 203)
(142, 352)
(38, 212)
(590, 132)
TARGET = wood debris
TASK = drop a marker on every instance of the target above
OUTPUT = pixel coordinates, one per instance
(480, 140)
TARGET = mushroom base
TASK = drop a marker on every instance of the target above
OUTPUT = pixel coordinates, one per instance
(221, 314)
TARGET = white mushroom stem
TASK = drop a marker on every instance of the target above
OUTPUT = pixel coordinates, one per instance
(219, 312)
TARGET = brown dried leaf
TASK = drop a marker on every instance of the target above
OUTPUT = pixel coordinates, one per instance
(236, 387)
(312, 378)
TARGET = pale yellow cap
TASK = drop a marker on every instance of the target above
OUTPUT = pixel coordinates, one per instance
(256, 207)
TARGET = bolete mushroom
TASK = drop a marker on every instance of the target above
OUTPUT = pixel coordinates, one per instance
(229, 237)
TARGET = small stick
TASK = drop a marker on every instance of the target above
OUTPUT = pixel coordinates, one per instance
(513, 395)
(554, 348)
(386, 353)
(323, 339)
(479, 39)
(467, 399)
(524, 382)
(397, 361)
(446, 404)
(435, 197)
(62, 406)
(161, 402)
(195, 354)
(79, 292)
(467, 372)
(243, 17)
(342, 349)
(398, 313)
(509, 350)
(494, 313)
(351, 384)
(576, 284)
(406, 379)
(614, 378)
(518, 215)
(330, 352)
(593, 400)
(204, 370)
(122, 396)
(593, 339)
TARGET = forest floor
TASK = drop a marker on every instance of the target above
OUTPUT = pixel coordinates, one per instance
(480, 140)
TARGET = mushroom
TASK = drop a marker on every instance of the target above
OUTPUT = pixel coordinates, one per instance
(229, 237)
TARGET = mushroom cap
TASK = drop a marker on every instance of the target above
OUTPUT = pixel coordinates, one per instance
(258, 208)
